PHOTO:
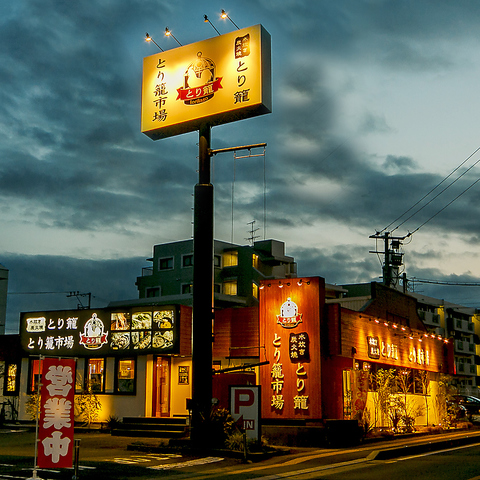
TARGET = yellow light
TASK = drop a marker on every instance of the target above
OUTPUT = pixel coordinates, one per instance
(167, 32)
(224, 14)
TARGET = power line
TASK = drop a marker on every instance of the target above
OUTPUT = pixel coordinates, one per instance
(37, 293)
(445, 282)
(447, 205)
(431, 191)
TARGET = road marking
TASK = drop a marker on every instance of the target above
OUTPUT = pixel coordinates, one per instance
(144, 458)
(433, 453)
(189, 463)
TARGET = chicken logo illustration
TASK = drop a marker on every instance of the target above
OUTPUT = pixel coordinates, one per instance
(94, 335)
(289, 316)
(200, 83)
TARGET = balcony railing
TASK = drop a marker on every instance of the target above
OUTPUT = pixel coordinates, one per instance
(147, 271)
(464, 347)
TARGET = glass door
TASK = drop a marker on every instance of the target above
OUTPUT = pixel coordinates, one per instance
(161, 387)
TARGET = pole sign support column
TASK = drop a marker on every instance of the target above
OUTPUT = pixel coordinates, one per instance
(202, 293)
(194, 87)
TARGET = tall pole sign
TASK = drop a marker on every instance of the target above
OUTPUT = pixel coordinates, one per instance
(194, 87)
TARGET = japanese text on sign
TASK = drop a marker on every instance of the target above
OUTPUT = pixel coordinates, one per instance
(56, 413)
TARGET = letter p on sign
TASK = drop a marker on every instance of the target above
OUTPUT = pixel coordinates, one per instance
(243, 398)
(245, 404)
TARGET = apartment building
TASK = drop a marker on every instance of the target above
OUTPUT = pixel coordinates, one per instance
(459, 324)
(238, 271)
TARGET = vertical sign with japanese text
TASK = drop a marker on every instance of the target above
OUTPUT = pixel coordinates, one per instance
(290, 330)
(55, 439)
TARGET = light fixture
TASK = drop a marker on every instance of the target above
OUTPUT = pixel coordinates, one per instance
(168, 33)
(261, 287)
(385, 323)
(208, 21)
(280, 284)
(148, 38)
(377, 320)
(225, 15)
(300, 282)
(395, 325)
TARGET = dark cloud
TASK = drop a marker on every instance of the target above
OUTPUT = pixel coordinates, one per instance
(72, 155)
(43, 282)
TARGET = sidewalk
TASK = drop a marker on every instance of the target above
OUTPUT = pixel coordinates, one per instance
(96, 444)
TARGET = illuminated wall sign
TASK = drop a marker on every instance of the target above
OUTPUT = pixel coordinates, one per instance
(377, 348)
(290, 330)
(215, 81)
(419, 355)
(101, 331)
(373, 347)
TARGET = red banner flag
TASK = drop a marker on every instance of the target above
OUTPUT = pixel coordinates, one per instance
(55, 429)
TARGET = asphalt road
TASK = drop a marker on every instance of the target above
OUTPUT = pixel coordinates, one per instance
(105, 457)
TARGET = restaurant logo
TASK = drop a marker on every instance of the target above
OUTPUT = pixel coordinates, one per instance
(200, 83)
(289, 316)
(94, 335)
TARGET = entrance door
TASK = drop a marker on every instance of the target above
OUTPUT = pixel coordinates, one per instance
(161, 387)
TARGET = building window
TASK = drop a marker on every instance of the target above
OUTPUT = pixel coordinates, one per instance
(255, 290)
(125, 376)
(95, 377)
(187, 260)
(166, 263)
(217, 261)
(152, 292)
(34, 377)
(187, 288)
(217, 288)
(230, 259)
(230, 287)
(255, 261)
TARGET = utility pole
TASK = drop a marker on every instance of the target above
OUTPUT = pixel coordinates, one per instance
(393, 257)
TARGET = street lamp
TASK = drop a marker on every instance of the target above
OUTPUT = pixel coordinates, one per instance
(225, 15)
(207, 20)
(148, 38)
(168, 33)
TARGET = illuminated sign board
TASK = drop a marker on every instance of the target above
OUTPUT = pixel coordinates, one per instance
(103, 331)
(290, 330)
(377, 347)
(215, 81)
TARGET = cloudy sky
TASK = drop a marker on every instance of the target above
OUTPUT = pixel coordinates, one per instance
(374, 104)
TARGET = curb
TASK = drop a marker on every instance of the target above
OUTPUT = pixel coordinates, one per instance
(431, 446)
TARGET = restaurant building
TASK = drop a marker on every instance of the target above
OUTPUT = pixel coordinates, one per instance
(326, 360)
(137, 360)
(315, 349)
